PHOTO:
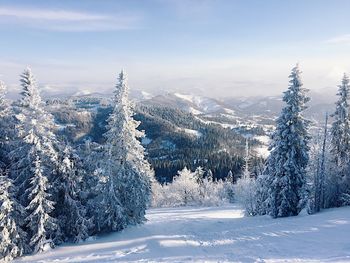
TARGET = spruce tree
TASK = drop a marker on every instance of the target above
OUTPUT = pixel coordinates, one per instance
(289, 153)
(41, 225)
(6, 131)
(340, 142)
(13, 240)
(69, 210)
(35, 145)
(340, 132)
(34, 135)
(127, 173)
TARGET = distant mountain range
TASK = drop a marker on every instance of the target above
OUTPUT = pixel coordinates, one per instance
(240, 109)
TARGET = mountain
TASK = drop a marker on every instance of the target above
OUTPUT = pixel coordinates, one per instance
(237, 111)
(184, 129)
(174, 138)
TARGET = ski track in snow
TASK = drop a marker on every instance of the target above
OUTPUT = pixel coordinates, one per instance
(216, 234)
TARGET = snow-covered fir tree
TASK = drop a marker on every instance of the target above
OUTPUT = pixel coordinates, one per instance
(2, 94)
(6, 131)
(289, 153)
(13, 240)
(41, 226)
(229, 187)
(34, 135)
(340, 140)
(35, 145)
(69, 210)
(91, 156)
(341, 125)
(127, 175)
(262, 194)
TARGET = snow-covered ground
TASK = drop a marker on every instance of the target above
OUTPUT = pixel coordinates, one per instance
(263, 150)
(219, 234)
(191, 132)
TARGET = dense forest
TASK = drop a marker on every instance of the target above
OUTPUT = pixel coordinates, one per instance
(174, 138)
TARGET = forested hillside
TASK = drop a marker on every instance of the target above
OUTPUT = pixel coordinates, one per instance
(174, 138)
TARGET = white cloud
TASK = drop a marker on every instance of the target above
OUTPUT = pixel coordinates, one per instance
(66, 20)
(43, 14)
(343, 39)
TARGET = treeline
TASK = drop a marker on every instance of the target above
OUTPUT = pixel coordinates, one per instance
(51, 192)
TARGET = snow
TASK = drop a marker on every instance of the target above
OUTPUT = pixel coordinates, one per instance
(245, 104)
(168, 145)
(229, 111)
(224, 125)
(82, 92)
(263, 150)
(146, 95)
(146, 141)
(189, 98)
(216, 234)
(191, 132)
(140, 95)
(194, 111)
(202, 104)
(263, 139)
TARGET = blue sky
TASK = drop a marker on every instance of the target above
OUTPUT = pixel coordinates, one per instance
(218, 48)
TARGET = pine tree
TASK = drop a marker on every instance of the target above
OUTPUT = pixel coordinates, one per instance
(35, 162)
(13, 240)
(340, 132)
(6, 131)
(127, 173)
(69, 210)
(40, 224)
(229, 187)
(262, 193)
(289, 153)
(340, 141)
(33, 136)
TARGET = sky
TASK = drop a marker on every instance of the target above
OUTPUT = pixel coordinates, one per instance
(215, 48)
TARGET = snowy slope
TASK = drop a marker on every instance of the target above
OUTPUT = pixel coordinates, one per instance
(203, 104)
(190, 103)
(219, 234)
